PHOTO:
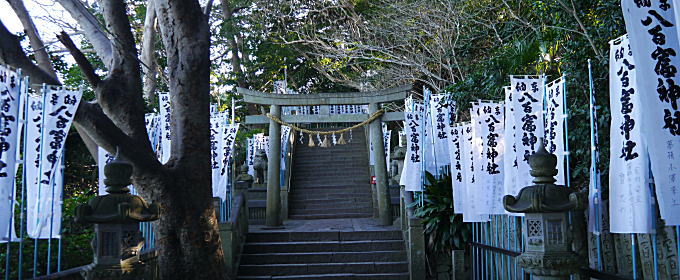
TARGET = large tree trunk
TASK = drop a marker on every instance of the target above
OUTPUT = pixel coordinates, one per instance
(190, 246)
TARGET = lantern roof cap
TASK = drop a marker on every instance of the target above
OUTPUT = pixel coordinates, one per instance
(544, 196)
(119, 206)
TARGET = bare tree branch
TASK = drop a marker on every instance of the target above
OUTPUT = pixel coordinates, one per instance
(37, 45)
(148, 51)
(12, 54)
(91, 28)
(81, 60)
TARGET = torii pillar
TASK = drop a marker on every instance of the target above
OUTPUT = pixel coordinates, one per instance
(384, 200)
(273, 217)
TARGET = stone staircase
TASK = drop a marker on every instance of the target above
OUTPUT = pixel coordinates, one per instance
(330, 234)
(331, 183)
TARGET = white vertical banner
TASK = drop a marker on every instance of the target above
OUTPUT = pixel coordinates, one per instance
(528, 113)
(428, 152)
(471, 200)
(44, 192)
(151, 124)
(250, 155)
(493, 145)
(216, 132)
(652, 28)
(285, 136)
(387, 136)
(439, 120)
(412, 171)
(630, 198)
(457, 172)
(166, 125)
(509, 149)
(10, 96)
(261, 142)
(226, 148)
(554, 130)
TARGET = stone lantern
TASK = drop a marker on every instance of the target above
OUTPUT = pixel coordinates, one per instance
(116, 217)
(548, 253)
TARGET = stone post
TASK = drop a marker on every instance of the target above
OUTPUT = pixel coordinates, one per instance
(116, 217)
(384, 205)
(273, 218)
(548, 252)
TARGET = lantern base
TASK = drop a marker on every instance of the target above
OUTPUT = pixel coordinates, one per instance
(553, 265)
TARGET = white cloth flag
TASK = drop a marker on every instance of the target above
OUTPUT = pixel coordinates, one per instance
(216, 131)
(439, 119)
(470, 199)
(51, 117)
(509, 149)
(630, 200)
(387, 137)
(226, 145)
(250, 155)
(528, 113)
(457, 174)
(652, 28)
(166, 125)
(412, 171)
(285, 137)
(151, 124)
(10, 96)
(493, 146)
(554, 130)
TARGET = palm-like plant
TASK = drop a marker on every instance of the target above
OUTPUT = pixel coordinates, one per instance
(444, 230)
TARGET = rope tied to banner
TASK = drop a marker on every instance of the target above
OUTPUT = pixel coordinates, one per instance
(370, 119)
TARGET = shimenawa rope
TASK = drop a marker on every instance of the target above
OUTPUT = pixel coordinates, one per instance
(303, 130)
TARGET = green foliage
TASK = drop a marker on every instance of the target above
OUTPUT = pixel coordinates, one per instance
(444, 230)
(557, 46)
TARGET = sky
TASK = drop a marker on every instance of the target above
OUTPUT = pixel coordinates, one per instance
(44, 14)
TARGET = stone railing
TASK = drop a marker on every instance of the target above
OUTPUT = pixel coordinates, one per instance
(233, 234)
(414, 237)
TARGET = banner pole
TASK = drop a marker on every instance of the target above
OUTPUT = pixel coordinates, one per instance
(565, 125)
(22, 211)
(593, 165)
(42, 136)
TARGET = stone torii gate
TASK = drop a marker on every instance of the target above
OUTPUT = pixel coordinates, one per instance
(372, 98)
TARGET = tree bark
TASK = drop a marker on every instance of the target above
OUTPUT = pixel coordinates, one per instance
(148, 51)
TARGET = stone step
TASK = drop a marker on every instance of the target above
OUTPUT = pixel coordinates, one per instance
(326, 210)
(335, 180)
(355, 171)
(355, 165)
(300, 197)
(329, 216)
(324, 257)
(330, 205)
(338, 276)
(349, 152)
(323, 268)
(331, 186)
(333, 236)
(333, 201)
(369, 267)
